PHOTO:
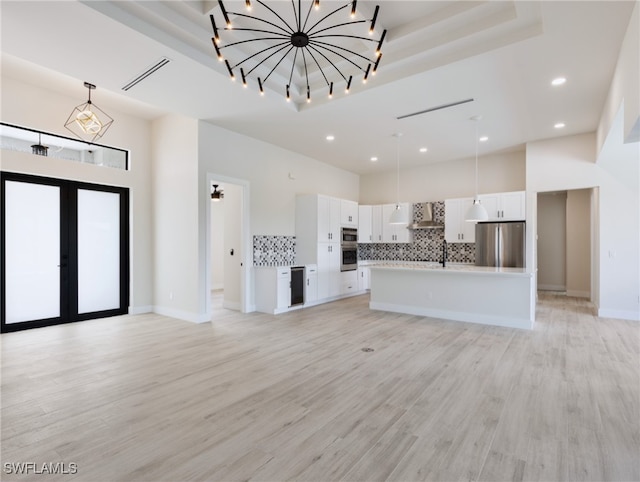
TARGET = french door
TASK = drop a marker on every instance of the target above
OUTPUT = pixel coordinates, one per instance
(65, 251)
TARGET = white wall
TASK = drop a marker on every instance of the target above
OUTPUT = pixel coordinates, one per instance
(273, 177)
(578, 277)
(175, 217)
(552, 241)
(442, 180)
(217, 245)
(30, 106)
(569, 163)
(625, 90)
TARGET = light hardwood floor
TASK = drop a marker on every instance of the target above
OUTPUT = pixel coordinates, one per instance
(294, 397)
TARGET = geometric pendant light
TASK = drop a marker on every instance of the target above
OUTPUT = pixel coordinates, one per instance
(87, 121)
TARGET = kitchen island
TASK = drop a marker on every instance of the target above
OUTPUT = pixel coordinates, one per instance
(476, 294)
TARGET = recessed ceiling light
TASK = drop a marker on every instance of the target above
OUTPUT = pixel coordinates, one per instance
(374, 159)
(559, 125)
(483, 139)
(330, 138)
(423, 149)
(558, 81)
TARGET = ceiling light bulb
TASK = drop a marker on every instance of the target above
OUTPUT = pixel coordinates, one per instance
(88, 122)
(374, 159)
(559, 125)
(423, 149)
(330, 138)
(558, 81)
(483, 139)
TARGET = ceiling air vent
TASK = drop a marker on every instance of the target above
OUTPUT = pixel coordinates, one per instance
(154, 68)
(439, 107)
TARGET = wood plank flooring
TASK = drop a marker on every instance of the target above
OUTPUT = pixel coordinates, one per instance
(294, 397)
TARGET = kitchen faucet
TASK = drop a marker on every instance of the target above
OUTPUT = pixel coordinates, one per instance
(444, 253)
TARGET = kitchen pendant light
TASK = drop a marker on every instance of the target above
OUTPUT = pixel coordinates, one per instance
(476, 212)
(397, 216)
(87, 121)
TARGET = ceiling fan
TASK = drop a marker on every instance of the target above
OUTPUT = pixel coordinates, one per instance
(217, 195)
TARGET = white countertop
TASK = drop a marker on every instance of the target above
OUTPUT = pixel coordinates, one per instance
(460, 268)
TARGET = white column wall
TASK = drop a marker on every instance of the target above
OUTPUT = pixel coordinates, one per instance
(175, 217)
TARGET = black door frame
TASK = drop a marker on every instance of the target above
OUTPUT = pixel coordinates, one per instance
(68, 251)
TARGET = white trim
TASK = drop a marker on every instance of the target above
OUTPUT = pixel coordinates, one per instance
(579, 293)
(619, 314)
(494, 320)
(217, 287)
(231, 305)
(182, 315)
(140, 310)
(544, 287)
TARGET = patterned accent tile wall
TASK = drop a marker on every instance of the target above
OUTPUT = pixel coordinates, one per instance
(427, 244)
(274, 250)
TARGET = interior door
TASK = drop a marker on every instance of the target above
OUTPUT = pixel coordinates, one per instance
(65, 251)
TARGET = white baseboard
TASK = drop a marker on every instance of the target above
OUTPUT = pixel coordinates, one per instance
(140, 310)
(619, 314)
(231, 305)
(579, 294)
(545, 287)
(182, 315)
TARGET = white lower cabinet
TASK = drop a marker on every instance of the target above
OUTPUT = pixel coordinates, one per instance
(328, 270)
(364, 278)
(273, 289)
(349, 282)
(311, 284)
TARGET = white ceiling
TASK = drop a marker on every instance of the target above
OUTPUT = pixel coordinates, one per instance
(503, 54)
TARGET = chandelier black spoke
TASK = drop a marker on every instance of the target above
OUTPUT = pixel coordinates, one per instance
(331, 44)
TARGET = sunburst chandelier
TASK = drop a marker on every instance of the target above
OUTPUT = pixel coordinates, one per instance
(303, 43)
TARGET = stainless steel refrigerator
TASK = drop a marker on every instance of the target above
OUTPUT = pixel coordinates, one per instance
(500, 244)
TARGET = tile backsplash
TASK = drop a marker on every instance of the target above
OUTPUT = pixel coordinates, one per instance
(426, 246)
(274, 250)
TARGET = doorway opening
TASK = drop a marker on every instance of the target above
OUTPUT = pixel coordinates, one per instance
(565, 234)
(228, 245)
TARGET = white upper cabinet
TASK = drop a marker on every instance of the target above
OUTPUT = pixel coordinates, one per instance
(376, 224)
(349, 213)
(456, 229)
(328, 219)
(365, 233)
(506, 206)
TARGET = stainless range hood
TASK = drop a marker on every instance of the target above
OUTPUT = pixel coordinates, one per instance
(427, 219)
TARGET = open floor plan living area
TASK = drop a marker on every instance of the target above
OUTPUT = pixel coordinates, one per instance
(320, 240)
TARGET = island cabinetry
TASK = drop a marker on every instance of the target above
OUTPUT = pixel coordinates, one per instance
(456, 229)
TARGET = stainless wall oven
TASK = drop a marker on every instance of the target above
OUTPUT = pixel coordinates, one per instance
(349, 249)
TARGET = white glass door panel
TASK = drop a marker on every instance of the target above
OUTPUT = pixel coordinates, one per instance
(32, 252)
(98, 251)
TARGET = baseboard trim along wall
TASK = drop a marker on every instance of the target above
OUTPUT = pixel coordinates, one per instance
(619, 314)
(140, 310)
(231, 305)
(182, 315)
(579, 294)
